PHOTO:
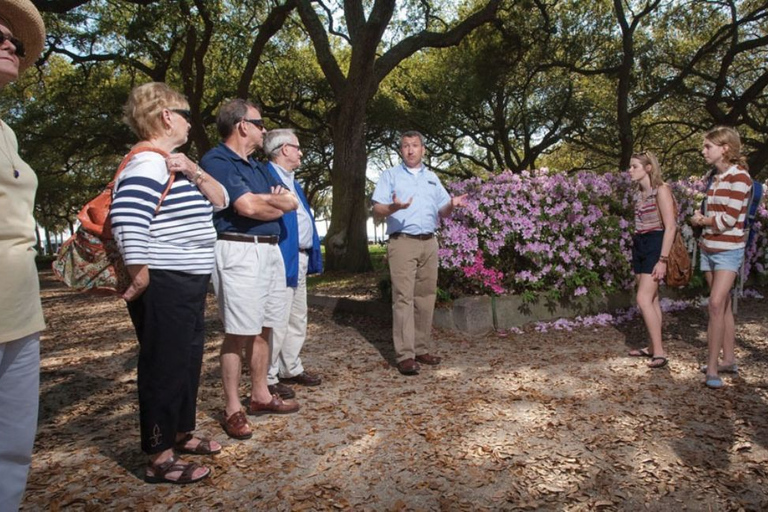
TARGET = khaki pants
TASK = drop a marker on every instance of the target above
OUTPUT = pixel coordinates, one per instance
(413, 268)
(287, 338)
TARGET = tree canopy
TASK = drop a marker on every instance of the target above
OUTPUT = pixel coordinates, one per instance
(494, 85)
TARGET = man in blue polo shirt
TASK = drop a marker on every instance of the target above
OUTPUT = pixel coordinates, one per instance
(412, 199)
(249, 277)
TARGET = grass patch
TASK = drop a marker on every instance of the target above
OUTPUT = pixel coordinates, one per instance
(347, 284)
(378, 256)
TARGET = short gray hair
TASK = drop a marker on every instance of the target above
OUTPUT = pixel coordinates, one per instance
(410, 134)
(275, 139)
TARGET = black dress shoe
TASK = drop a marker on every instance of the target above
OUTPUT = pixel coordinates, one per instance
(303, 379)
(408, 367)
(281, 389)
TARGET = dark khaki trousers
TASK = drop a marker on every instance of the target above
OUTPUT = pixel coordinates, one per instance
(413, 268)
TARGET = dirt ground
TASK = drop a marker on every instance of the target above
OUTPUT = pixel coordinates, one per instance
(538, 421)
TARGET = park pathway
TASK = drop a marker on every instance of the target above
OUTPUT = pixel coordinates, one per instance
(538, 421)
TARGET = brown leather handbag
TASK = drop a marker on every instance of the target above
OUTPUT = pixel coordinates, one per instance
(679, 266)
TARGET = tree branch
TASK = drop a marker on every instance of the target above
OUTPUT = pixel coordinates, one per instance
(322, 46)
(426, 39)
(274, 22)
(103, 57)
(353, 14)
(63, 6)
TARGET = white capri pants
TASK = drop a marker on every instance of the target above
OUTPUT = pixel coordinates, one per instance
(19, 397)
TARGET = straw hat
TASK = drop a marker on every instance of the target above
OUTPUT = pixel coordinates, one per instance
(25, 22)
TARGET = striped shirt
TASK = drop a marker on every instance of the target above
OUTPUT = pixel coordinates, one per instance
(647, 217)
(727, 202)
(180, 237)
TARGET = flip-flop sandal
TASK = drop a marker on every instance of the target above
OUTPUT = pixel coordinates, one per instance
(640, 352)
(202, 448)
(713, 382)
(171, 465)
(656, 366)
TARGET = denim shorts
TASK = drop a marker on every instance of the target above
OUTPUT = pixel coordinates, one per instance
(723, 260)
(646, 249)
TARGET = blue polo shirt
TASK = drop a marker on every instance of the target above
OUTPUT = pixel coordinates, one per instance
(239, 177)
(428, 194)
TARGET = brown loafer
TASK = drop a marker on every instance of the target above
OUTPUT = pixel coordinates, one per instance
(428, 359)
(275, 406)
(236, 426)
(408, 367)
(282, 390)
(303, 379)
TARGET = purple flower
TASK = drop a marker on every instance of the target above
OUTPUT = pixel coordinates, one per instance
(544, 232)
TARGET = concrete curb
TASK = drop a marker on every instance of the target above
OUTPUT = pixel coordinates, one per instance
(479, 315)
(375, 308)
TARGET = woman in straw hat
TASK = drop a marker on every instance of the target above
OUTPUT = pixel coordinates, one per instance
(22, 35)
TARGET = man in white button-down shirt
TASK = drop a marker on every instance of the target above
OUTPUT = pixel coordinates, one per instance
(300, 246)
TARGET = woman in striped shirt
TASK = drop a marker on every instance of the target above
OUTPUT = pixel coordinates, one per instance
(723, 243)
(655, 227)
(166, 236)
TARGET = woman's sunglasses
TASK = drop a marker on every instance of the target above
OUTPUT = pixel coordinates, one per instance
(15, 42)
(183, 112)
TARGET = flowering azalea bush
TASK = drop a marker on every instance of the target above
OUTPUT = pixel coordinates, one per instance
(555, 234)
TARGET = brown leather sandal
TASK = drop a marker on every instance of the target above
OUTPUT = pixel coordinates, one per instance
(171, 465)
(202, 448)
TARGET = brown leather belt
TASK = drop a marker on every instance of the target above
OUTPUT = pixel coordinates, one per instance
(425, 236)
(249, 239)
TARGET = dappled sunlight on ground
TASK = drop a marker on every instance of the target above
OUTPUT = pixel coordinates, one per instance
(538, 421)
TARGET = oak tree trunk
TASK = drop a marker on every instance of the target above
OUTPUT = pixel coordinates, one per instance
(346, 244)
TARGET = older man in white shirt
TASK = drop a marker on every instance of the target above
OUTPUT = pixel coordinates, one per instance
(300, 246)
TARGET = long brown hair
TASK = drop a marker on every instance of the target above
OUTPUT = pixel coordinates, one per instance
(648, 158)
(728, 137)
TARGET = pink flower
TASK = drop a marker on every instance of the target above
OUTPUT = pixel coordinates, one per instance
(545, 232)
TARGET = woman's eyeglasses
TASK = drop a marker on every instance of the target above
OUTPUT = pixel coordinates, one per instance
(183, 112)
(15, 42)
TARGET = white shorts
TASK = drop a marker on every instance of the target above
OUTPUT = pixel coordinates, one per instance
(249, 279)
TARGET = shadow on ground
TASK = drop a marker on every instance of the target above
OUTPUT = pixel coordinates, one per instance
(537, 421)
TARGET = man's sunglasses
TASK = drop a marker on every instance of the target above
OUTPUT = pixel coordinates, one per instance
(255, 122)
(15, 42)
(183, 112)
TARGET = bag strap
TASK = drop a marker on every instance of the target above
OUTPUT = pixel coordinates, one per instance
(710, 179)
(135, 151)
